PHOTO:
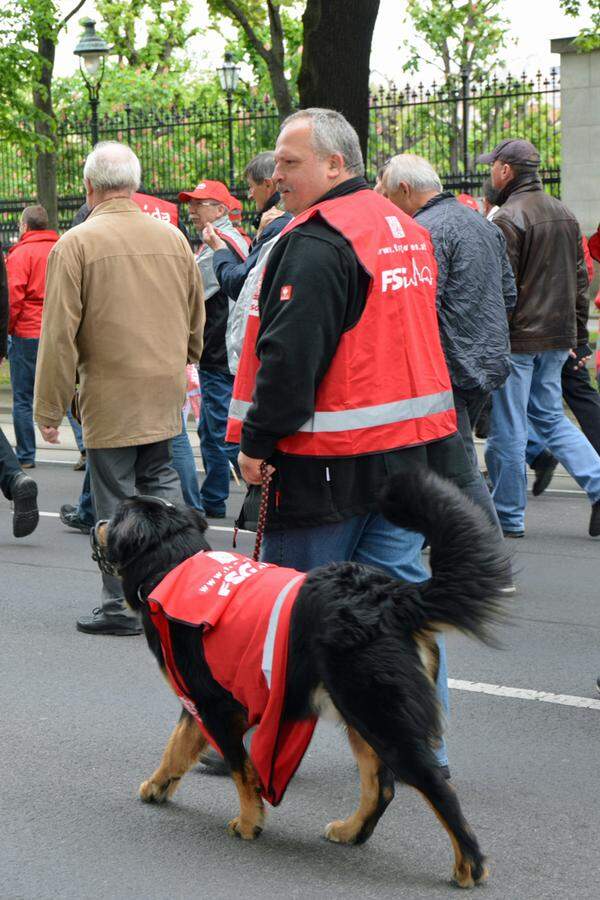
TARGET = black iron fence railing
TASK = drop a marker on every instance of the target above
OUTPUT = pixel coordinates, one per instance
(449, 124)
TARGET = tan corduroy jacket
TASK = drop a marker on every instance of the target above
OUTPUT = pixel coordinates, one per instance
(124, 310)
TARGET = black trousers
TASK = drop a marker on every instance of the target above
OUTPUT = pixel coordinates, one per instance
(9, 466)
(583, 400)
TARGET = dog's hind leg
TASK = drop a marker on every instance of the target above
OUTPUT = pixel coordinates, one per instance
(469, 867)
(182, 751)
(249, 824)
(376, 792)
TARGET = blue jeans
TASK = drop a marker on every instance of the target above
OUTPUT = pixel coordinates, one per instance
(22, 357)
(184, 463)
(215, 391)
(77, 430)
(533, 393)
(370, 540)
(85, 504)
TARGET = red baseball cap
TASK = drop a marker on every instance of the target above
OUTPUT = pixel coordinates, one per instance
(468, 200)
(208, 190)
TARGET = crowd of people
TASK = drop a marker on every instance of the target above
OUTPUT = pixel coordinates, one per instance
(358, 334)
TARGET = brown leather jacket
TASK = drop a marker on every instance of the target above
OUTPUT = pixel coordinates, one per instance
(544, 247)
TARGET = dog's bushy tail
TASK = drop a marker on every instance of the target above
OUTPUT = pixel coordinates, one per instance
(468, 564)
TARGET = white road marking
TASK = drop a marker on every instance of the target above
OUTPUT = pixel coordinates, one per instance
(498, 690)
(53, 515)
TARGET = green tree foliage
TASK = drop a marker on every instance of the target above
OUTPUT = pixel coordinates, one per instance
(589, 37)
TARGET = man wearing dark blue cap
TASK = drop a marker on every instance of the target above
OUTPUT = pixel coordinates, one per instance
(549, 320)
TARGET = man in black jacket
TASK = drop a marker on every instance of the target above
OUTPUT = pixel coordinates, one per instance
(314, 293)
(14, 483)
(550, 318)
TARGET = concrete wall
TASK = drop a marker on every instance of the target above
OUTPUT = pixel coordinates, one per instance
(580, 128)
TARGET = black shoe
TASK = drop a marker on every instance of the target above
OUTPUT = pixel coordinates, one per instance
(100, 623)
(595, 519)
(70, 517)
(26, 515)
(212, 763)
(543, 466)
(213, 513)
(598, 685)
(513, 534)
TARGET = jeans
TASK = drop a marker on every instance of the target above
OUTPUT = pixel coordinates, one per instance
(584, 402)
(77, 430)
(185, 466)
(532, 393)
(370, 540)
(85, 504)
(215, 390)
(22, 357)
(9, 466)
(468, 407)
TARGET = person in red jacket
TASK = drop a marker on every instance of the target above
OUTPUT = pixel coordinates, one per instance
(26, 268)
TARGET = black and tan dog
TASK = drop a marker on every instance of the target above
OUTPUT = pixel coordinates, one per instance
(358, 638)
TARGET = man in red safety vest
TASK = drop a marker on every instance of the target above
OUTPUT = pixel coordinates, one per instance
(342, 378)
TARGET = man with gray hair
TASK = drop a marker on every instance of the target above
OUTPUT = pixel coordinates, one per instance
(352, 384)
(475, 293)
(124, 313)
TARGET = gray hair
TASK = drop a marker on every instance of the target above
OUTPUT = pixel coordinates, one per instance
(112, 166)
(261, 167)
(414, 170)
(332, 133)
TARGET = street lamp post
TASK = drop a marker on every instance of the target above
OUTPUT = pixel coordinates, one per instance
(229, 76)
(92, 51)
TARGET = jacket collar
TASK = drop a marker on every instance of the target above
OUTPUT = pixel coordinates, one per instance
(271, 202)
(433, 201)
(116, 204)
(36, 237)
(522, 184)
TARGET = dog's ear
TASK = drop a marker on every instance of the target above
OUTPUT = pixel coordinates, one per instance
(131, 529)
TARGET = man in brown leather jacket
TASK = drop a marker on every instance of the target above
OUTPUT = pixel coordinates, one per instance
(550, 319)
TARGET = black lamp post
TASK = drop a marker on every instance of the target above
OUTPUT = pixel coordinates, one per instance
(229, 76)
(92, 51)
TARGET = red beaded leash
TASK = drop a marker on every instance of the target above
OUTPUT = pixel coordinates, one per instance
(262, 512)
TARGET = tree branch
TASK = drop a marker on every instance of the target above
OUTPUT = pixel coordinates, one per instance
(238, 14)
(70, 15)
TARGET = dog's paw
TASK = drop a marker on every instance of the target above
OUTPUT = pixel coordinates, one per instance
(151, 792)
(467, 875)
(341, 832)
(241, 828)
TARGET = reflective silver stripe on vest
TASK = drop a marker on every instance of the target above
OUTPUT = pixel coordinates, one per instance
(366, 416)
(269, 646)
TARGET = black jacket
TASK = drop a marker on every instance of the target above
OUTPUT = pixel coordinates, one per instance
(475, 292)
(545, 250)
(296, 343)
(3, 308)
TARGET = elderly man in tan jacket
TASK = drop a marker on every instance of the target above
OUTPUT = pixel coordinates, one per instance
(124, 313)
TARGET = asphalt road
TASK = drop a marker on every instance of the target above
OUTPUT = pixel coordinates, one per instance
(85, 720)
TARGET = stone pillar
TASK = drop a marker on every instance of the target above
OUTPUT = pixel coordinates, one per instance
(580, 131)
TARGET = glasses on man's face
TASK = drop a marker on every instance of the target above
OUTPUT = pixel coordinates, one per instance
(203, 203)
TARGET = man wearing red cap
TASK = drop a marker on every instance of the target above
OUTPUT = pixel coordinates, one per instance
(210, 203)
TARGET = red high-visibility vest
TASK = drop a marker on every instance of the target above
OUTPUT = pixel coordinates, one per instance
(157, 208)
(242, 609)
(388, 384)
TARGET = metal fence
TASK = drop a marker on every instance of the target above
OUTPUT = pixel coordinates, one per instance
(449, 124)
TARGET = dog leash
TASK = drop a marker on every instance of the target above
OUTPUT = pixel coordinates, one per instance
(262, 510)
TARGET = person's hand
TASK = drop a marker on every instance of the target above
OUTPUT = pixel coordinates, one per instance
(212, 239)
(51, 435)
(267, 217)
(250, 469)
(1, 360)
(581, 354)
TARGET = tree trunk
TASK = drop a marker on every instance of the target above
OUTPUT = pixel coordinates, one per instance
(45, 127)
(335, 59)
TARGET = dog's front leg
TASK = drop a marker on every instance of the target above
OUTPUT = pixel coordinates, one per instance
(249, 824)
(182, 752)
